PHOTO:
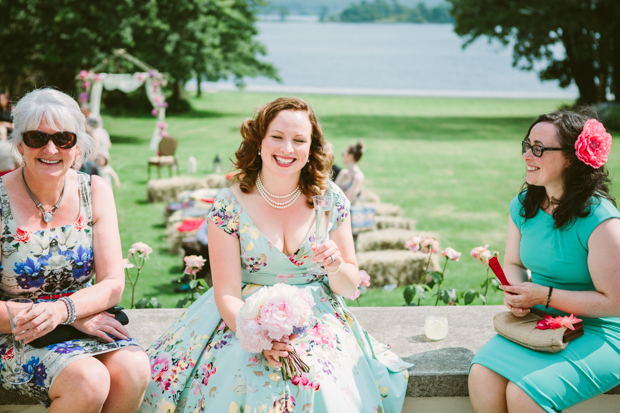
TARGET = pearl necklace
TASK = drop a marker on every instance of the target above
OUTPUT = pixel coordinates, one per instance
(266, 195)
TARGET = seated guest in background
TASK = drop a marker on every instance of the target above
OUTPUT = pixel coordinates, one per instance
(6, 121)
(63, 230)
(8, 162)
(351, 178)
(564, 227)
(328, 148)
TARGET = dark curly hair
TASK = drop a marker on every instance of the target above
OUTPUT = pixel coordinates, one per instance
(583, 184)
(315, 173)
(356, 150)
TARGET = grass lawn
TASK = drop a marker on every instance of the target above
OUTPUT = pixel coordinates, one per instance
(452, 164)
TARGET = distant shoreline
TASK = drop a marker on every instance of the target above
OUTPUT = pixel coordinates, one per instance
(229, 87)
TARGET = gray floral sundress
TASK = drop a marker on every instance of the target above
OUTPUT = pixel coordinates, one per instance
(43, 263)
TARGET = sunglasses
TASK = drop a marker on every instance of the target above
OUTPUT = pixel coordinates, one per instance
(38, 139)
(537, 150)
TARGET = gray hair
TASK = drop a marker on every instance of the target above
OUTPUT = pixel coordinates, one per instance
(58, 110)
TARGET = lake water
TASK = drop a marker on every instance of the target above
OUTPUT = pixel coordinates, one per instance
(390, 59)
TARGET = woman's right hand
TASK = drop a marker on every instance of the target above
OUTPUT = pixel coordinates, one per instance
(280, 349)
(517, 311)
(39, 320)
(100, 325)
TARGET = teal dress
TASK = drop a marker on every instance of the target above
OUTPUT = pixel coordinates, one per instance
(199, 366)
(590, 364)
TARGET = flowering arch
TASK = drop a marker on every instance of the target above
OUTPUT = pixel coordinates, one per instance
(91, 84)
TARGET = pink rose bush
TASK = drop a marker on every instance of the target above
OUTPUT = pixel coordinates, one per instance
(414, 243)
(482, 254)
(451, 254)
(272, 314)
(593, 144)
(429, 245)
(139, 254)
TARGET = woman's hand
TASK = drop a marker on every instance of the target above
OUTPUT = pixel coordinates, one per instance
(100, 325)
(280, 349)
(328, 254)
(39, 320)
(519, 298)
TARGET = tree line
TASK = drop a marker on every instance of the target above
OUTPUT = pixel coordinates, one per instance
(45, 42)
(393, 11)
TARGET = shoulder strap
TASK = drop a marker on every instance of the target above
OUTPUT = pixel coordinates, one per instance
(5, 210)
(84, 183)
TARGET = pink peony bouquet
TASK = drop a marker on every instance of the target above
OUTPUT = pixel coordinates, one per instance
(274, 313)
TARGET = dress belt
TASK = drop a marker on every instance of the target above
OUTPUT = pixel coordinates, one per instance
(54, 296)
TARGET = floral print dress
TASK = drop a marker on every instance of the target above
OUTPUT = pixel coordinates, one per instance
(199, 366)
(42, 263)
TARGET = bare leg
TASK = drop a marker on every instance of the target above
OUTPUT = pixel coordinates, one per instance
(519, 401)
(82, 386)
(487, 390)
(130, 373)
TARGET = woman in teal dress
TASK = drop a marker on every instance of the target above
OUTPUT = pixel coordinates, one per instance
(261, 232)
(564, 229)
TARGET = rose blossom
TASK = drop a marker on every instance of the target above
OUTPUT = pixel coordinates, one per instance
(451, 254)
(141, 248)
(476, 251)
(127, 264)
(83, 74)
(414, 243)
(193, 264)
(80, 224)
(484, 257)
(593, 144)
(429, 245)
(355, 295)
(364, 278)
(162, 125)
(22, 236)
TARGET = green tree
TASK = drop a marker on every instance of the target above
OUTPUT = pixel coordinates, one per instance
(49, 41)
(587, 30)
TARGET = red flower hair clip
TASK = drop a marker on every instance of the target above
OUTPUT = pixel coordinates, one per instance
(593, 144)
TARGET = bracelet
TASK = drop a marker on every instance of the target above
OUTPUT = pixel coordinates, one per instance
(549, 296)
(334, 272)
(70, 310)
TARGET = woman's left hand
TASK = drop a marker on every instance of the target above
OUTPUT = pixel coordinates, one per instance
(102, 325)
(328, 254)
(525, 295)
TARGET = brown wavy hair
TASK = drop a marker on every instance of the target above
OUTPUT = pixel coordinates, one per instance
(314, 174)
(583, 184)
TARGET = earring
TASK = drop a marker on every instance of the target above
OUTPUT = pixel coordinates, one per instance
(259, 151)
(23, 161)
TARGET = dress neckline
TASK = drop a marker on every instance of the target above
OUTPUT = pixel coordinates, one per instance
(305, 240)
(17, 227)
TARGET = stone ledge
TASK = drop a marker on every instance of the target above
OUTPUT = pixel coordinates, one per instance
(440, 369)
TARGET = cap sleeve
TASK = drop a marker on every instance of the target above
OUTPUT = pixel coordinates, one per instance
(225, 212)
(600, 211)
(515, 210)
(342, 206)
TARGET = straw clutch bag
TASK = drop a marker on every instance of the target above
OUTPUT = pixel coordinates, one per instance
(523, 331)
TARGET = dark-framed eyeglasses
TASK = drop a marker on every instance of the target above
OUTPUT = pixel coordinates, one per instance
(537, 150)
(38, 139)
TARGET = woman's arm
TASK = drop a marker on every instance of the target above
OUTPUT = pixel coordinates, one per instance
(340, 246)
(604, 266)
(107, 292)
(224, 252)
(515, 271)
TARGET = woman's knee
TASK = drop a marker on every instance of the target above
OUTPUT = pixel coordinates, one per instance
(88, 375)
(128, 368)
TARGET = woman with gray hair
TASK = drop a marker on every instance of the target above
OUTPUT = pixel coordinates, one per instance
(55, 222)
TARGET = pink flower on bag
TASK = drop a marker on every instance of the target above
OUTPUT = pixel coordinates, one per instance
(429, 245)
(451, 254)
(593, 144)
(413, 244)
(557, 322)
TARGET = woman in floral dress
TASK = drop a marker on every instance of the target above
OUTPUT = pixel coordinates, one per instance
(48, 256)
(261, 232)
